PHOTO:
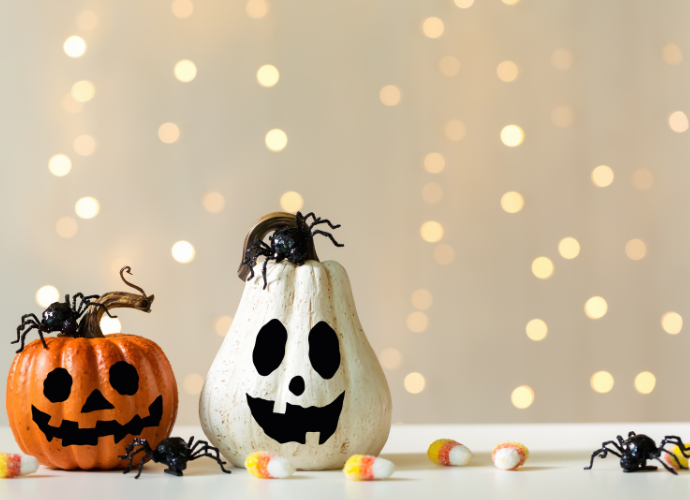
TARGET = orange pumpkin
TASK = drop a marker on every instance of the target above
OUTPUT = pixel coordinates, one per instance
(81, 401)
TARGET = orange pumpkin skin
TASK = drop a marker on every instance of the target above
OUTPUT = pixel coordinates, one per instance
(88, 361)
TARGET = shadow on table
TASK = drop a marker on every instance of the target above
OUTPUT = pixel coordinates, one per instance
(420, 461)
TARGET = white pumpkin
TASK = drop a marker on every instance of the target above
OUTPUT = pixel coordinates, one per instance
(303, 405)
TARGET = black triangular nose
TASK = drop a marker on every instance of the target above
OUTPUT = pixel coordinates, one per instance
(95, 402)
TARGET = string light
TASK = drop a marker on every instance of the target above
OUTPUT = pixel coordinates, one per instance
(268, 75)
(512, 136)
(510, 2)
(291, 201)
(507, 71)
(75, 46)
(390, 358)
(256, 9)
(422, 299)
(59, 165)
(390, 95)
(455, 130)
(542, 267)
(672, 54)
(276, 140)
(522, 397)
(449, 66)
(464, 4)
(110, 325)
(183, 252)
(431, 231)
(536, 330)
(672, 323)
(645, 382)
(222, 325)
(434, 163)
(417, 322)
(602, 176)
(84, 145)
(46, 295)
(512, 202)
(182, 9)
(168, 133)
(433, 27)
(414, 383)
(569, 248)
(635, 249)
(596, 307)
(83, 91)
(185, 70)
(678, 122)
(602, 382)
(214, 202)
(87, 208)
(432, 193)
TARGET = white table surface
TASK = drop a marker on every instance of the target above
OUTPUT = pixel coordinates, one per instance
(558, 453)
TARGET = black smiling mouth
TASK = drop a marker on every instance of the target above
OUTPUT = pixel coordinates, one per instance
(70, 433)
(294, 424)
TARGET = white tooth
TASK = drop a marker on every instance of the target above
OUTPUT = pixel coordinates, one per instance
(280, 406)
(313, 438)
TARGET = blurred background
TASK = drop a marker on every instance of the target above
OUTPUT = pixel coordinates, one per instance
(510, 175)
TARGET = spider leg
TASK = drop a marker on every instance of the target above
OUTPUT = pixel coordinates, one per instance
(602, 453)
(310, 214)
(205, 447)
(678, 442)
(264, 270)
(33, 320)
(680, 466)
(97, 304)
(74, 300)
(324, 221)
(84, 304)
(666, 466)
(130, 456)
(189, 443)
(258, 248)
(215, 457)
(329, 235)
(631, 434)
(23, 337)
(141, 464)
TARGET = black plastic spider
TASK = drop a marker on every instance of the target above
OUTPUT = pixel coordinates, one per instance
(287, 243)
(59, 317)
(174, 452)
(637, 449)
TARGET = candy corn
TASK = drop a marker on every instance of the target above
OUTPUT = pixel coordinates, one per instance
(672, 461)
(509, 456)
(266, 465)
(367, 468)
(15, 465)
(449, 452)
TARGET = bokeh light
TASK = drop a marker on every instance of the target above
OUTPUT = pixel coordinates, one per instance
(83, 91)
(46, 295)
(222, 325)
(536, 330)
(422, 299)
(183, 252)
(562, 116)
(268, 75)
(390, 95)
(512, 202)
(185, 70)
(87, 20)
(431, 231)
(444, 254)
(522, 397)
(66, 227)
(291, 201)
(75, 46)
(672, 54)
(449, 66)
(59, 165)
(110, 325)
(507, 71)
(602, 176)
(455, 130)
(542, 267)
(602, 382)
(569, 248)
(645, 382)
(417, 322)
(635, 249)
(678, 121)
(193, 383)
(433, 27)
(276, 140)
(182, 9)
(596, 307)
(390, 358)
(672, 322)
(71, 105)
(256, 9)
(214, 202)
(87, 207)
(512, 135)
(434, 163)
(464, 4)
(561, 59)
(432, 193)
(510, 2)
(414, 383)
(168, 133)
(84, 145)
(643, 179)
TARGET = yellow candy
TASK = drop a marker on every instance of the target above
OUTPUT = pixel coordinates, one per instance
(676, 452)
(510, 455)
(449, 452)
(266, 465)
(15, 465)
(367, 468)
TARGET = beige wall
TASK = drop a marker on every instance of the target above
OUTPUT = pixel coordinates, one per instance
(361, 164)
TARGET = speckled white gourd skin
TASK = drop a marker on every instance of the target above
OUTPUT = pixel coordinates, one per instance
(300, 297)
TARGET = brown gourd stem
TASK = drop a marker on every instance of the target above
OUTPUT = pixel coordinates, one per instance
(259, 230)
(91, 323)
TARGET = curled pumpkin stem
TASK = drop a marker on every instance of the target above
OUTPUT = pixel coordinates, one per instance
(91, 323)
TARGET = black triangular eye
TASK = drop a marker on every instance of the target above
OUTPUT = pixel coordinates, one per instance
(57, 385)
(324, 350)
(124, 378)
(269, 349)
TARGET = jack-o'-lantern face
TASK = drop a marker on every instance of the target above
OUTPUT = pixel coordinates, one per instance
(124, 379)
(324, 358)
